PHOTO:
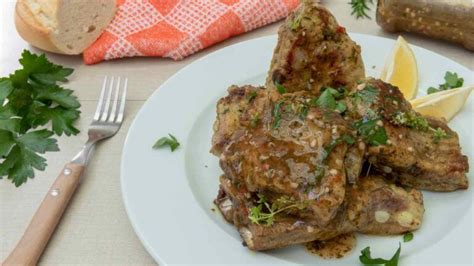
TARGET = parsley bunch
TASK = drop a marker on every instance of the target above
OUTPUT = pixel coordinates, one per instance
(451, 81)
(31, 98)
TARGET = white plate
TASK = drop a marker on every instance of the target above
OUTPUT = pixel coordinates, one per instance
(168, 196)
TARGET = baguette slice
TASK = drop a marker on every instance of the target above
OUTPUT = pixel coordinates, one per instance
(63, 26)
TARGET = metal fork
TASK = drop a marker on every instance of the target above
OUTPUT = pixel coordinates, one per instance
(106, 122)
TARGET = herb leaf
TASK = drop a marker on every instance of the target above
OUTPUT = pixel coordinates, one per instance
(360, 8)
(172, 142)
(411, 120)
(21, 156)
(277, 115)
(252, 95)
(257, 215)
(451, 81)
(326, 100)
(344, 138)
(371, 132)
(367, 95)
(408, 237)
(366, 258)
(438, 134)
(418, 122)
(296, 22)
(280, 88)
(329, 99)
(30, 98)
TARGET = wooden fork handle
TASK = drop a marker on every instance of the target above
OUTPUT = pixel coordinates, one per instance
(46, 218)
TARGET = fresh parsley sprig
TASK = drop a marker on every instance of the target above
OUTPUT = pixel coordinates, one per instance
(31, 98)
(171, 142)
(366, 258)
(451, 81)
(360, 8)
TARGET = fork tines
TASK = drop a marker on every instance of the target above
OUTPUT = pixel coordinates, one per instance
(111, 110)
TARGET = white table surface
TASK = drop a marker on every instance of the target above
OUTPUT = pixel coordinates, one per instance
(95, 229)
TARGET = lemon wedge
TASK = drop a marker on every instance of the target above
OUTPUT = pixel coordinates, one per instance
(421, 100)
(401, 70)
(445, 105)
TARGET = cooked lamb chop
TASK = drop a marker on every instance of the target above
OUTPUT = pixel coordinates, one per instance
(292, 149)
(372, 207)
(422, 152)
(314, 51)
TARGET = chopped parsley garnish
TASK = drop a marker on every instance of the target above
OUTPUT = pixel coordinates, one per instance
(280, 88)
(366, 258)
(302, 110)
(172, 142)
(418, 122)
(329, 99)
(344, 138)
(371, 132)
(367, 95)
(252, 95)
(438, 134)
(451, 81)
(319, 174)
(360, 8)
(408, 237)
(326, 100)
(32, 97)
(411, 120)
(277, 114)
(264, 213)
(296, 22)
(341, 107)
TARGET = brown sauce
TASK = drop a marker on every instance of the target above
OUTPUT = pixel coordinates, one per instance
(334, 248)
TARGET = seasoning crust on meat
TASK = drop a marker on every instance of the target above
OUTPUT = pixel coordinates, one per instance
(314, 51)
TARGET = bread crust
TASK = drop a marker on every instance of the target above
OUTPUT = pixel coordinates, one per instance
(51, 39)
(31, 31)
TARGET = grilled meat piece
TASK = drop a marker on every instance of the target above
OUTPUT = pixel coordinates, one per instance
(314, 51)
(294, 150)
(247, 106)
(372, 207)
(422, 152)
(241, 108)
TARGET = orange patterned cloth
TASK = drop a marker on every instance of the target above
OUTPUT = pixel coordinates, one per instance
(178, 28)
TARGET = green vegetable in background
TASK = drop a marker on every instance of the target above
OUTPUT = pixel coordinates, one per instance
(31, 98)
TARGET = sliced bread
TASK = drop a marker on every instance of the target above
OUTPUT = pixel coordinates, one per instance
(63, 26)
